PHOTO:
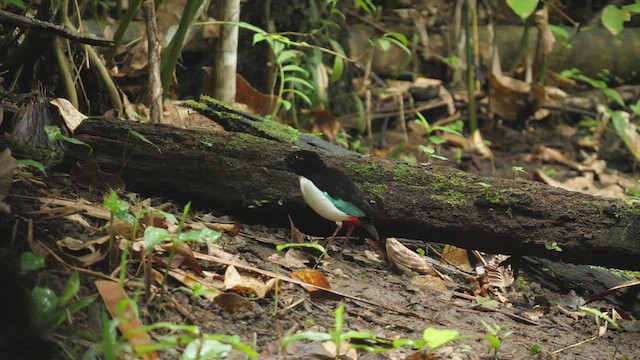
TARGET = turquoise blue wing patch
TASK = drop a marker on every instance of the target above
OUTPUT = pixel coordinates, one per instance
(345, 206)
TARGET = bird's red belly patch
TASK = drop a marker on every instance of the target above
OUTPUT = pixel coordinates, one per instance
(352, 221)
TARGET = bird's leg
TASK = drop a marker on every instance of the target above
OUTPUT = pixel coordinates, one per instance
(333, 237)
(346, 239)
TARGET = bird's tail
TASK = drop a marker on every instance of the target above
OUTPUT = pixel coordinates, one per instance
(371, 230)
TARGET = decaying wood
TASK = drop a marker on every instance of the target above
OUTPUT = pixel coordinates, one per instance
(245, 176)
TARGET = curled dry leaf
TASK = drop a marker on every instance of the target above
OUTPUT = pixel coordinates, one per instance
(245, 284)
(71, 116)
(85, 253)
(312, 277)
(402, 256)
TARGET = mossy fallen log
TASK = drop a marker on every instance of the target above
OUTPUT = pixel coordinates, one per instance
(244, 175)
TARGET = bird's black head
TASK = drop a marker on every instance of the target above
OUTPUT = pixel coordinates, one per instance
(304, 162)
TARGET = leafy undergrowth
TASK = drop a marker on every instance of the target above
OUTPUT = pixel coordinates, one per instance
(114, 275)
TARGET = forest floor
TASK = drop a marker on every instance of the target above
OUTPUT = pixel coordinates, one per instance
(382, 300)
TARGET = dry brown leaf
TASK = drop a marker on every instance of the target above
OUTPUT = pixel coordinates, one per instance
(131, 327)
(552, 155)
(7, 169)
(232, 302)
(295, 258)
(499, 276)
(68, 207)
(402, 256)
(245, 284)
(457, 256)
(71, 116)
(184, 256)
(430, 281)
(312, 277)
(477, 144)
(296, 235)
(583, 184)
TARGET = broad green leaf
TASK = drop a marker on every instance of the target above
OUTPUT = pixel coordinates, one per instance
(613, 18)
(523, 8)
(286, 56)
(613, 95)
(30, 262)
(45, 302)
(154, 236)
(203, 235)
(632, 8)
(494, 342)
(33, 163)
(206, 349)
(435, 338)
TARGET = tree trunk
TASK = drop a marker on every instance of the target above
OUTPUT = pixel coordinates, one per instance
(244, 175)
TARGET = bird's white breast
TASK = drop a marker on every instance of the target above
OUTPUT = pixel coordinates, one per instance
(319, 203)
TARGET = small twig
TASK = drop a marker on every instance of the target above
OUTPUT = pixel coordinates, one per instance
(43, 26)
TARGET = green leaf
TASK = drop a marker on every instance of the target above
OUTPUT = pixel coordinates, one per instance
(285, 104)
(613, 18)
(154, 236)
(118, 208)
(317, 247)
(300, 81)
(200, 236)
(206, 349)
(494, 342)
(33, 163)
(384, 44)
(143, 138)
(300, 95)
(632, 8)
(636, 107)
(307, 335)
(17, 3)
(559, 31)
(71, 289)
(45, 306)
(600, 314)
(523, 8)
(295, 68)
(286, 56)
(436, 338)
(248, 26)
(54, 133)
(399, 37)
(437, 140)
(613, 95)
(30, 262)
(338, 69)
